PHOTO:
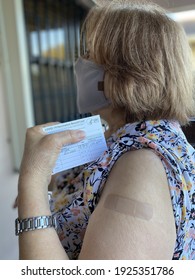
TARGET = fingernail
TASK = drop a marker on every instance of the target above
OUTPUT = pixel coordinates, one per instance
(80, 134)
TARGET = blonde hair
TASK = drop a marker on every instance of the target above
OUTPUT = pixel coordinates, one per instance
(146, 57)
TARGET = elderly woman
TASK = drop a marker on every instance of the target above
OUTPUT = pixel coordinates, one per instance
(137, 200)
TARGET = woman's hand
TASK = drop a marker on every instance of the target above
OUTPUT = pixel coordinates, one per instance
(41, 152)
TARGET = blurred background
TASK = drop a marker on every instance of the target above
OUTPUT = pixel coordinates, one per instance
(39, 42)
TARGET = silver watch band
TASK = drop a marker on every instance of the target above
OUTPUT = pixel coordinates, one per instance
(34, 223)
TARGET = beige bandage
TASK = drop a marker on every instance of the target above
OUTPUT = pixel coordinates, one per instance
(129, 206)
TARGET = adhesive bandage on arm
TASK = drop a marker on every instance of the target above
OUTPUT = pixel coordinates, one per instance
(129, 207)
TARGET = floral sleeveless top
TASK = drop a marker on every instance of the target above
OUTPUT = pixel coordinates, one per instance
(76, 192)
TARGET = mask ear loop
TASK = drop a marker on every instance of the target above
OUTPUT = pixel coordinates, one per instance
(84, 51)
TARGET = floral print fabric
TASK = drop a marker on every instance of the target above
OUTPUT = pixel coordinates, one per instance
(76, 192)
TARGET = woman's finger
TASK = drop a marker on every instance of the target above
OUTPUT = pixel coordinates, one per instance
(60, 139)
(72, 136)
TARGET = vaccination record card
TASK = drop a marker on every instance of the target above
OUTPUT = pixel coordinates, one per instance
(85, 151)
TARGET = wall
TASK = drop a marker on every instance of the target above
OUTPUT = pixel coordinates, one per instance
(5, 156)
(8, 186)
(15, 73)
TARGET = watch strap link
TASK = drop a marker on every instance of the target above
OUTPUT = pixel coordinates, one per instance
(33, 223)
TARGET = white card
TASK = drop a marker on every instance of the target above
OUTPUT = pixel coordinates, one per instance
(87, 150)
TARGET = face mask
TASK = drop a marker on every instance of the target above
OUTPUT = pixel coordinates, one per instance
(89, 78)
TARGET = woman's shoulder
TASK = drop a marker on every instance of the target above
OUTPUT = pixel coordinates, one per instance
(140, 176)
(139, 172)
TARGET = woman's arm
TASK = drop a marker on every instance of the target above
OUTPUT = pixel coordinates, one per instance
(40, 154)
(37, 244)
(115, 230)
(134, 217)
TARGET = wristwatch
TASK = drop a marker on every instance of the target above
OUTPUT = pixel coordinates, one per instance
(34, 223)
